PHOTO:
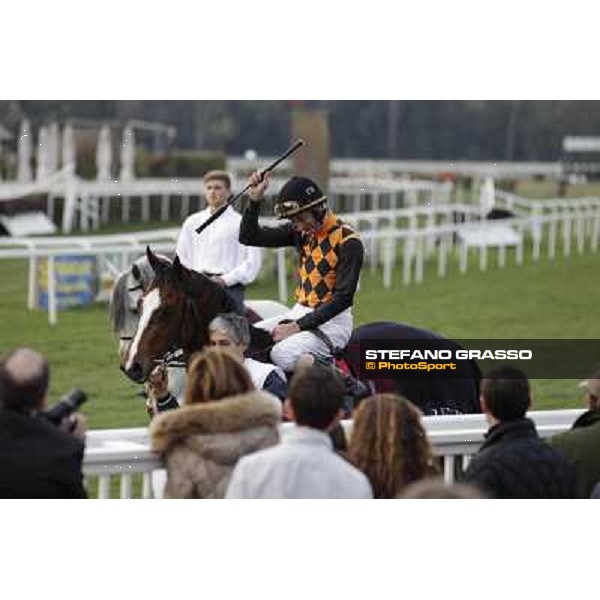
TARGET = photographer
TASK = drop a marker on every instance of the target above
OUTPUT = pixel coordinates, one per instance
(38, 458)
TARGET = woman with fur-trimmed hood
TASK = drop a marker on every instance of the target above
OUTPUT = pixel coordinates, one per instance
(223, 418)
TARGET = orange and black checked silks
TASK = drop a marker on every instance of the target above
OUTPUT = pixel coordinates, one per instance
(318, 262)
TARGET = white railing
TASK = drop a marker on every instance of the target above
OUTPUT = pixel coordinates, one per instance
(115, 456)
(94, 198)
(91, 201)
(419, 244)
(571, 222)
(470, 168)
(117, 251)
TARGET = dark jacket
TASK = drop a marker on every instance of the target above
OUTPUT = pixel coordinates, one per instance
(581, 444)
(514, 462)
(38, 460)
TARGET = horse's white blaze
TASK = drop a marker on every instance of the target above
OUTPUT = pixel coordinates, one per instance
(149, 305)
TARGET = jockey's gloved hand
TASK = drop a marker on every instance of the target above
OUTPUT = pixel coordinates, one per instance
(259, 183)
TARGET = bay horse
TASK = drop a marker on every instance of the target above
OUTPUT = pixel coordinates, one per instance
(124, 314)
(178, 304)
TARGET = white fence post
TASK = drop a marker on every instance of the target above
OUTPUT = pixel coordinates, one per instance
(126, 486)
(104, 487)
(449, 469)
(32, 290)
(52, 308)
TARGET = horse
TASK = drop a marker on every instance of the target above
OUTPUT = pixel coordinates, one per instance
(178, 305)
(124, 314)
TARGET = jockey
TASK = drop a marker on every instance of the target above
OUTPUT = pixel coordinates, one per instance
(330, 259)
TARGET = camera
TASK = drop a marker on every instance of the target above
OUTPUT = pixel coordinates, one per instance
(66, 405)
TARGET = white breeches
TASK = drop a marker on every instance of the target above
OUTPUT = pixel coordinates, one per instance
(288, 351)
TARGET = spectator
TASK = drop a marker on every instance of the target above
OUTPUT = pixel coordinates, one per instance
(581, 444)
(37, 458)
(389, 444)
(216, 252)
(222, 419)
(513, 461)
(434, 488)
(232, 331)
(227, 330)
(304, 465)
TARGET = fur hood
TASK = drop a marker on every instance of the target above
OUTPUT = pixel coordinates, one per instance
(231, 415)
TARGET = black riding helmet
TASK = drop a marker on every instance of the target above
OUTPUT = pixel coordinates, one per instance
(297, 195)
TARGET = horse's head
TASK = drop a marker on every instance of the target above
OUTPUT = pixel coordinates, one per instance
(125, 300)
(174, 313)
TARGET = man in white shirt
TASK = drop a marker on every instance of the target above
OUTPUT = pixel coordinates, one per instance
(304, 464)
(217, 252)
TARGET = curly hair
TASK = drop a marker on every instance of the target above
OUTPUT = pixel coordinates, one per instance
(215, 373)
(389, 444)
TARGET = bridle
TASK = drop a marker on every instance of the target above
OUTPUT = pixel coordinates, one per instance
(175, 359)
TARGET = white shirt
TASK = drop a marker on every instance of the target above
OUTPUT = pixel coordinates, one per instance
(303, 465)
(217, 249)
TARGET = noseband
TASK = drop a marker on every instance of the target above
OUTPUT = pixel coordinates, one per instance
(174, 358)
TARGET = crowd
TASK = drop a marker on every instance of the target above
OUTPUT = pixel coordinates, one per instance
(225, 441)
(223, 438)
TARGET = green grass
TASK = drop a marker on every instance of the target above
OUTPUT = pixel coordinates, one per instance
(556, 299)
(530, 188)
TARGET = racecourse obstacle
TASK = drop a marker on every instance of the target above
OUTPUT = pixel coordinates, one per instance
(124, 454)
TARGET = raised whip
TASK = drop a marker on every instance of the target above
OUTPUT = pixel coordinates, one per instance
(231, 200)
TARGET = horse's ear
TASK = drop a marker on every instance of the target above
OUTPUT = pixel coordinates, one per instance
(180, 271)
(153, 261)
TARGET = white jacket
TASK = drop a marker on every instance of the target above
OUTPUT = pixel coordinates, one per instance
(303, 465)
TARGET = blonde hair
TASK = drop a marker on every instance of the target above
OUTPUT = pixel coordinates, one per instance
(389, 444)
(219, 176)
(215, 373)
